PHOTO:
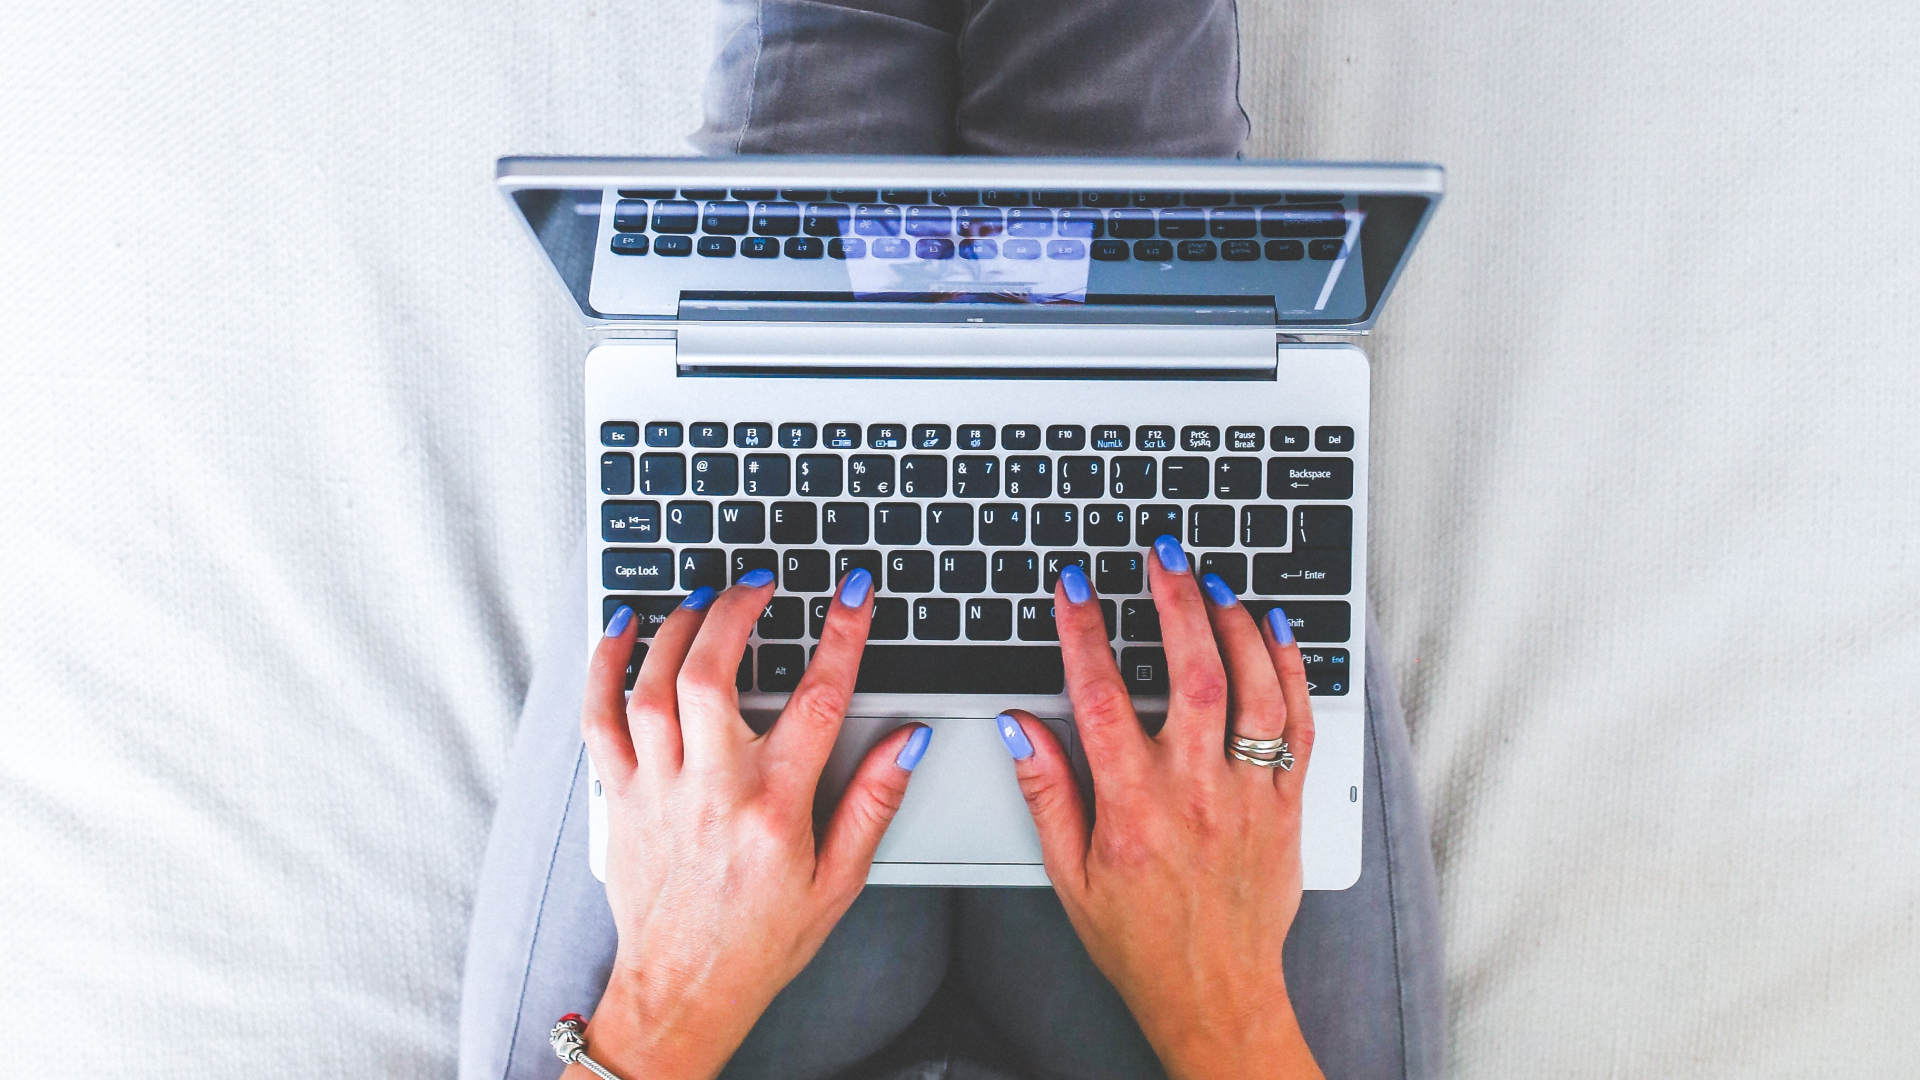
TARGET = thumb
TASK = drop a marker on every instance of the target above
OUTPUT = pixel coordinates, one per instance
(1053, 796)
(867, 808)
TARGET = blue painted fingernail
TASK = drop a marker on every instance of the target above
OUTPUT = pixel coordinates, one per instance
(1075, 579)
(698, 598)
(1014, 737)
(1171, 557)
(853, 593)
(915, 749)
(1218, 589)
(753, 579)
(1282, 629)
(618, 624)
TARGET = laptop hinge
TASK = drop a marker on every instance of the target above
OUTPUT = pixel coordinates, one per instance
(928, 350)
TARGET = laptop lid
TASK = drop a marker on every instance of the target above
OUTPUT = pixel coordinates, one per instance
(1297, 246)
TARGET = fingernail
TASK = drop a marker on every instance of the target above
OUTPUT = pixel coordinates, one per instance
(1171, 557)
(1075, 579)
(853, 593)
(915, 749)
(753, 579)
(1282, 630)
(1218, 589)
(698, 598)
(618, 624)
(1014, 737)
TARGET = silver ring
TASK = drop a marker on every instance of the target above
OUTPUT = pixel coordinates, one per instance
(1266, 753)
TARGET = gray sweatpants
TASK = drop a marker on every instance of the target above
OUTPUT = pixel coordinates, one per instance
(955, 983)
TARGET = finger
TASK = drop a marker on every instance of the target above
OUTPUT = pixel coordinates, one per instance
(1255, 708)
(802, 739)
(1197, 697)
(1293, 688)
(1046, 778)
(710, 723)
(1117, 748)
(653, 709)
(867, 808)
(603, 721)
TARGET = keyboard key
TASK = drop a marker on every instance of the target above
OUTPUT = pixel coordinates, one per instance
(975, 437)
(742, 675)
(1109, 251)
(1066, 249)
(781, 667)
(745, 194)
(1233, 223)
(646, 193)
(1052, 561)
(1327, 671)
(664, 433)
(1197, 251)
(630, 522)
(1245, 440)
(1323, 526)
(650, 569)
(1154, 522)
(708, 434)
(1237, 477)
(843, 523)
(1004, 198)
(1287, 440)
(889, 619)
(673, 246)
(1285, 250)
(891, 248)
(1015, 571)
(976, 477)
(1153, 250)
(956, 197)
(1066, 437)
(1083, 477)
(649, 612)
(838, 248)
(1081, 224)
(753, 436)
(896, 524)
(870, 476)
(910, 572)
(1144, 670)
(1200, 439)
(1333, 440)
(630, 215)
(1319, 250)
(662, 474)
(1185, 478)
(1309, 478)
(716, 474)
(846, 562)
(827, 219)
(929, 221)
(1156, 198)
(1240, 250)
(817, 476)
(1120, 573)
(959, 669)
(876, 220)
(1110, 437)
(676, 216)
(1108, 525)
(1029, 221)
(842, 436)
(886, 436)
(989, 619)
(1139, 621)
(1029, 477)
(747, 560)
(716, 247)
(1020, 437)
(1003, 525)
(933, 620)
(619, 433)
(1056, 524)
(1154, 437)
(1210, 526)
(702, 568)
(776, 219)
(904, 195)
(1130, 224)
(950, 524)
(783, 617)
(804, 247)
(1133, 478)
(806, 570)
(933, 248)
(1036, 621)
(689, 522)
(1231, 566)
(1105, 198)
(1263, 526)
(743, 523)
(1310, 572)
(1311, 620)
(798, 436)
(616, 474)
(725, 219)
(931, 436)
(801, 195)
(794, 523)
(923, 476)
(766, 475)
(855, 195)
(963, 571)
(817, 608)
(1185, 224)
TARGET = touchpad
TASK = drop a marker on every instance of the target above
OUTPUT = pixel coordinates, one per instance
(963, 805)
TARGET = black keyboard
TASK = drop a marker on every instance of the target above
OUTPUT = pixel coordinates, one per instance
(1105, 226)
(965, 528)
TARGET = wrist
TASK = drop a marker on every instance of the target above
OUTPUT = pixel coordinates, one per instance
(1267, 1043)
(639, 1034)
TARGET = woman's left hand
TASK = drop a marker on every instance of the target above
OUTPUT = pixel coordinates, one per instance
(720, 890)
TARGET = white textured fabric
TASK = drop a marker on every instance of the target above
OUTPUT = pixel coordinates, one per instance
(288, 414)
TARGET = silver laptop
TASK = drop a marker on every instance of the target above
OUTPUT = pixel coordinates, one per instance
(963, 374)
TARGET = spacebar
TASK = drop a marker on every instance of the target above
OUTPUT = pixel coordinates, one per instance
(960, 669)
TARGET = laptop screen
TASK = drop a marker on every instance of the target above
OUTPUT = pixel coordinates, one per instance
(1248, 242)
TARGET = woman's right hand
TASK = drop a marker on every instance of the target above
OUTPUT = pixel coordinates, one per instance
(1185, 883)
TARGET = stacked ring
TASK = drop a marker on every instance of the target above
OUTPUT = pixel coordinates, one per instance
(1266, 753)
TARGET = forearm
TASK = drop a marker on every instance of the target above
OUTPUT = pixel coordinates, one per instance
(631, 1037)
